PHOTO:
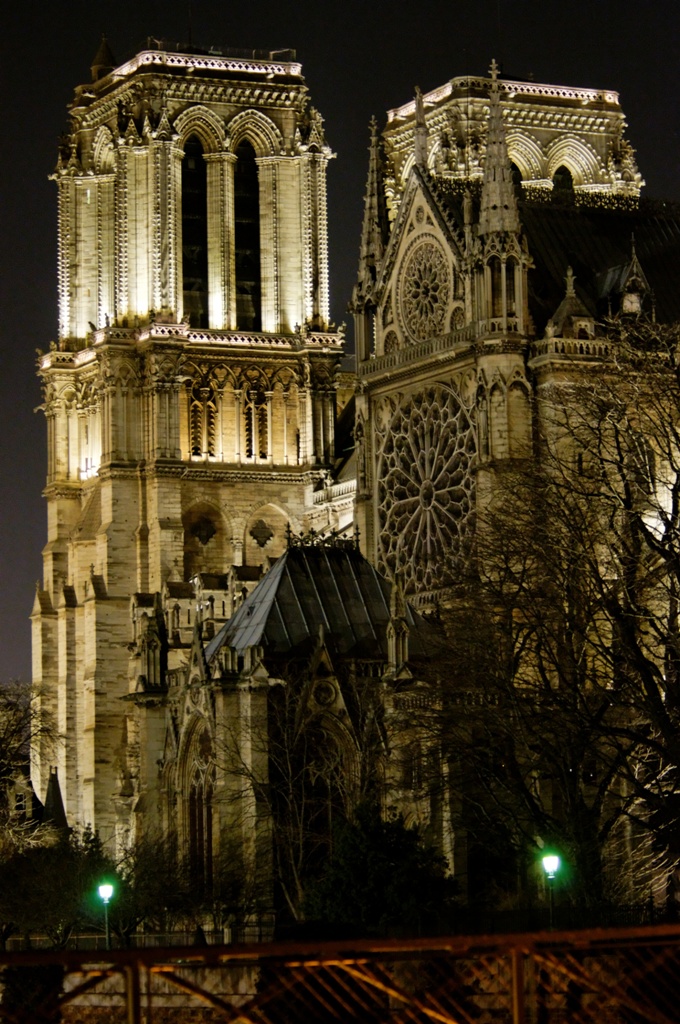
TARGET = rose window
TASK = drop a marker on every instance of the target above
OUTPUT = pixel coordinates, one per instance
(426, 491)
(425, 291)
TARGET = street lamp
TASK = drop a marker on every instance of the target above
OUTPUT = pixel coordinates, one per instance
(105, 894)
(551, 865)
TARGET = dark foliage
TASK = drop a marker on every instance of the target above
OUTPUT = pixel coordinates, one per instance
(382, 879)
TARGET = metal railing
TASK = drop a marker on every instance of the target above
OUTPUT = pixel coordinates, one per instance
(621, 976)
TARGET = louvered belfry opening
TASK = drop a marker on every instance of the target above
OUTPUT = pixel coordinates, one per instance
(247, 240)
(195, 233)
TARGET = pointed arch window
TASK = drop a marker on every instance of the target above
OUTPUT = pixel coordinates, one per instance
(510, 290)
(247, 240)
(496, 287)
(203, 421)
(563, 185)
(200, 823)
(256, 426)
(195, 233)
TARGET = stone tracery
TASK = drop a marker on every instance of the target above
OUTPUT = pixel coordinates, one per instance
(424, 290)
(426, 490)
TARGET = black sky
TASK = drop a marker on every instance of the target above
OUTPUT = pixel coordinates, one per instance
(359, 59)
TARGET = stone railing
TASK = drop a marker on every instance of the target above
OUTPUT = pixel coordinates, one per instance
(571, 348)
(208, 62)
(333, 491)
(452, 342)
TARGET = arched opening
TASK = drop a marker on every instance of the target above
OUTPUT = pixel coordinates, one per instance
(202, 421)
(206, 548)
(496, 287)
(516, 179)
(510, 295)
(563, 184)
(200, 813)
(256, 424)
(247, 240)
(195, 233)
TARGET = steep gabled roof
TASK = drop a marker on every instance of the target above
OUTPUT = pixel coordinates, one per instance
(593, 237)
(595, 241)
(313, 586)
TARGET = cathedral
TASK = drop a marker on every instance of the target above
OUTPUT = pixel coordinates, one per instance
(209, 552)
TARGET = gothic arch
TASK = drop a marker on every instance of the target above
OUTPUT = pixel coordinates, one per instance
(126, 374)
(256, 128)
(208, 543)
(197, 785)
(286, 376)
(578, 157)
(103, 152)
(222, 376)
(409, 164)
(519, 416)
(67, 394)
(338, 738)
(205, 125)
(528, 155)
(265, 533)
(254, 377)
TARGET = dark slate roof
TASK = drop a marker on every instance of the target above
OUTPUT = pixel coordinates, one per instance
(594, 237)
(53, 811)
(248, 573)
(103, 60)
(312, 586)
(595, 241)
(214, 580)
(179, 589)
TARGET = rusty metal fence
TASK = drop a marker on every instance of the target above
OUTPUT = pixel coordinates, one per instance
(625, 976)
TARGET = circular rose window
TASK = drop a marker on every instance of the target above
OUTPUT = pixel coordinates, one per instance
(424, 290)
(426, 490)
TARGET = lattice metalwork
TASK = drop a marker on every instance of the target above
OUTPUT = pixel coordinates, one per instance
(426, 491)
(623, 976)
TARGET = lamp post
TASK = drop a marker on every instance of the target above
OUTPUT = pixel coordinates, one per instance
(105, 894)
(551, 865)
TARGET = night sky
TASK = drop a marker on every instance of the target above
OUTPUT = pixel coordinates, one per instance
(359, 59)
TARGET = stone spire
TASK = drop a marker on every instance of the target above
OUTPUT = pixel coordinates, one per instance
(375, 227)
(420, 132)
(103, 61)
(498, 211)
(570, 309)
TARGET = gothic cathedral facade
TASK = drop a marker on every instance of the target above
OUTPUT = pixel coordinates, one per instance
(192, 396)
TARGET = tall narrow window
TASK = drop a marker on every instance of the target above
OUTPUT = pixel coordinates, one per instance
(256, 425)
(510, 287)
(563, 185)
(195, 233)
(496, 287)
(200, 817)
(247, 240)
(202, 421)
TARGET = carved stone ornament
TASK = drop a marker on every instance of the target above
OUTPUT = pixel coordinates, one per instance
(324, 693)
(261, 533)
(426, 490)
(424, 290)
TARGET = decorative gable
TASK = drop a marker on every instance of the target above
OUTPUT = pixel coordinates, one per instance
(421, 292)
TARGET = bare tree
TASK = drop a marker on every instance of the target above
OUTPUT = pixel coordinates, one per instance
(561, 700)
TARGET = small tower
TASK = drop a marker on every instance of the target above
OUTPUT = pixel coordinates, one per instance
(501, 255)
(500, 262)
(374, 234)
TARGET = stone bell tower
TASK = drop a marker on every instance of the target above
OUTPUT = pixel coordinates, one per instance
(190, 398)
